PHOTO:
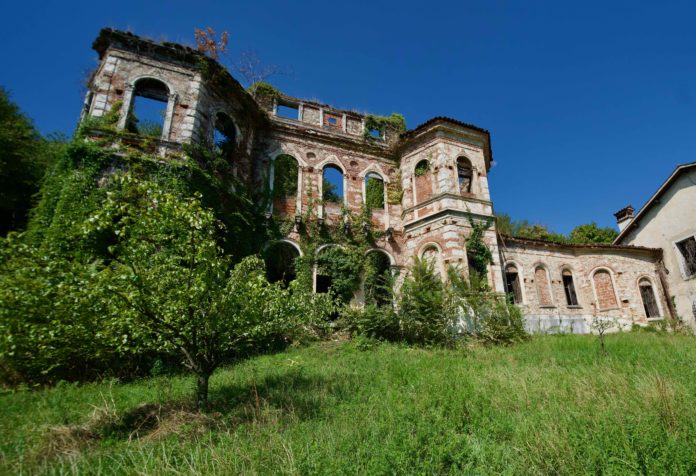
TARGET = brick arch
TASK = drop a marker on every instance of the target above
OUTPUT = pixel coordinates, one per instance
(422, 184)
(604, 288)
(542, 283)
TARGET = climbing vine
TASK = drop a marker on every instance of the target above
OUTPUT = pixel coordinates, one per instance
(478, 253)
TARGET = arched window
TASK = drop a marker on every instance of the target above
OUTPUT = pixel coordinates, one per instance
(604, 289)
(647, 293)
(148, 108)
(377, 278)
(431, 255)
(423, 181)
(280, 262)
(513, 288)
(543, 286)
(569, 288)
(464, 175)
(332, 184)
(374, 191)
(224, 135)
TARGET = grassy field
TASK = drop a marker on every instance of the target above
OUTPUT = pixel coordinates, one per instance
(551, 405)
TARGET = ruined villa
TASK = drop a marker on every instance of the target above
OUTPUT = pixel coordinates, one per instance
(433, 181)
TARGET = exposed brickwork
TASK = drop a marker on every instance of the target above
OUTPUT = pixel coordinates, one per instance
(542, 287)
(604, 288)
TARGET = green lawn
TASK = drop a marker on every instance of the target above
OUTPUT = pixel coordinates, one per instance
(551, 405)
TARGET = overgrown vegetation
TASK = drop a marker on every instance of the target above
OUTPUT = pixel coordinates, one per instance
(24, 157)
(552, 405)
(381, 124)
(588, 233)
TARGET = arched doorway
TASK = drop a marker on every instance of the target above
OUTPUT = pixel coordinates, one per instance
(280, 262)
(378, 278)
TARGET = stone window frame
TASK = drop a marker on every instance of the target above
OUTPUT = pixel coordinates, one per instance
(376, 170)
(520, 277)
(440, 260)
(331, 160)
(128, 99)
(613, 284)
(543, 266)
(473, 184)
(569, 268)
(301, 164)
(658, 302)
(680, 257)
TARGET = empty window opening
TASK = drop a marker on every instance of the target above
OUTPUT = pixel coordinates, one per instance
(148, 108)
(280, 262)
(569, 288)
(285, 178)
(541, 278)
(333, 121)
(376, 133)
(512, 284)
(464, 174)
(374, 191)
(224, 135)
(378, 278)
(332, 184)
(647, 293)
(288, 111)
(604, 287)
(687, 249)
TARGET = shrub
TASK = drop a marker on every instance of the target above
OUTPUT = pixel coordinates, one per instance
(377, 322)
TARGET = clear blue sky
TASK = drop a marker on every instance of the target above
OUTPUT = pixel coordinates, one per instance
(590, 105)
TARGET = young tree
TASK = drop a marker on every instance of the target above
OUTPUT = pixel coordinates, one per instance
(171, 280)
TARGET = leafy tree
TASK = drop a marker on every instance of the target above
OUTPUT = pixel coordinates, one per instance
(591, 233)
(171, 279)
(23, 161)
(329, 192)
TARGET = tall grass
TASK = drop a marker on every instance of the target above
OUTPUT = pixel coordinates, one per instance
(550, 405)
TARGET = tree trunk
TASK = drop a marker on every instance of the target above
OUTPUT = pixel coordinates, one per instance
(202, 390)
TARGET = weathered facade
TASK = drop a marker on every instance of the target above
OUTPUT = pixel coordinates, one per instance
(433, 179)
(668, 221)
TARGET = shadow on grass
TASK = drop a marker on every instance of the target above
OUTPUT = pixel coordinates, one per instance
(268, 401)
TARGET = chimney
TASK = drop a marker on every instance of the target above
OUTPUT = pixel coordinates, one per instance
(624, 217)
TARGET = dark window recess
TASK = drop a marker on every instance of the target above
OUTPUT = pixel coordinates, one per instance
(280, 263)
(687, 248)
(512, 285)
(649, 301)
(464, 174)
(288, 111)
(569, 288)
(224, 135)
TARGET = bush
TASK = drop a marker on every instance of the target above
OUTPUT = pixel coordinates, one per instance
(377, 322)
